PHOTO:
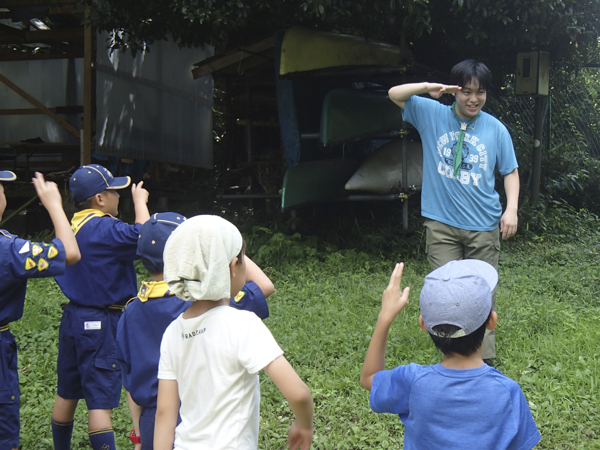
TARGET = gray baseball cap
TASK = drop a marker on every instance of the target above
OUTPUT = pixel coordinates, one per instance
(459, 293)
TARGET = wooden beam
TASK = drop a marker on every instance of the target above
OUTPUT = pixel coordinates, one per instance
(39, 105)
(26, 56)
(60, 10)
(231, 57)
(248, 63)
(36, 36)
(43, 147)
(23, 3)
(26, 111)
(12, 31)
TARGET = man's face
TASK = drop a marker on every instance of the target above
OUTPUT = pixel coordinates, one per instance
(469, 100)
(2, 200)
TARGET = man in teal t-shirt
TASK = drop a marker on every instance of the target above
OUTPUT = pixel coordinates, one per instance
(462, 148)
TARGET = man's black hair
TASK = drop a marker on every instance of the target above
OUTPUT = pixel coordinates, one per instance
(469, 69)
(465, 345)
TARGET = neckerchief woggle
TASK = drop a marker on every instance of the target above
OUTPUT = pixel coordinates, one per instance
(461, 136)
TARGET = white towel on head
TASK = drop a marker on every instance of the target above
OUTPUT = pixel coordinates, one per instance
(197, 257)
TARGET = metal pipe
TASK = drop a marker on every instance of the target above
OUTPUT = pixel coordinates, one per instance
(247, 196)
(19, 210)
(310, 136)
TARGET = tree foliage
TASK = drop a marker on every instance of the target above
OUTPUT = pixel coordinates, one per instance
(440, 32)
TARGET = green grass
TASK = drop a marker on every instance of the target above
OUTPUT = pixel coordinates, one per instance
(323, 313)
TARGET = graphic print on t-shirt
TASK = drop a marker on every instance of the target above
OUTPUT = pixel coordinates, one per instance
(474, 159)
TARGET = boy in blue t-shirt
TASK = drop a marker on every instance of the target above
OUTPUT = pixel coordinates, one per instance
(461, 402)
(97, 288)
(21, 260)
(147, 316)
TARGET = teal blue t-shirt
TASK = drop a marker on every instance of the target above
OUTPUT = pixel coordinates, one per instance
(469, 202)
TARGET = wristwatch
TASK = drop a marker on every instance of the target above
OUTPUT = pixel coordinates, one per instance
(135, 439)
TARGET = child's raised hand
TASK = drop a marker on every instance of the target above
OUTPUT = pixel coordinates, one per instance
(393, 300)
(47, 191)
(138, 193)
(299, 438)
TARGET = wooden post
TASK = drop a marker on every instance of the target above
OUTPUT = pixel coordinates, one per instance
(88, 86)
(404, 139)
(536, 156)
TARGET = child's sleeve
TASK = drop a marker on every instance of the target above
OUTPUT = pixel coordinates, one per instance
(391, 388)
(251, 298)
(166, 369)
(528, 435)
(257, 346)
(124, 238)
(28, 259)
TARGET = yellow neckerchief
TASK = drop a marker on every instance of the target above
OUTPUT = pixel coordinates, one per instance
(153, 289)
(80, 218)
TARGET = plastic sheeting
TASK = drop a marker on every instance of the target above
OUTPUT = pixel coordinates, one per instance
(150, 107)
(52, 82)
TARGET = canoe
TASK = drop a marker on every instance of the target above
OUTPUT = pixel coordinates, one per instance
(352, 114)
(305, 50)
(316, 181)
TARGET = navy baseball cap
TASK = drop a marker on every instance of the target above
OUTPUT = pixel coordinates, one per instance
(459, 293)
(92, 179)
(153, 237)
(7, 175)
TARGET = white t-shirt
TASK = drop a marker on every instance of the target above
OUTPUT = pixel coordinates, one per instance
(215, 359)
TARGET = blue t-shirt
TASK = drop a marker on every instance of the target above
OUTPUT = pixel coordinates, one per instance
(449, 409)
(21, 260)
(105, 275)
(469, 203)
(143, 323)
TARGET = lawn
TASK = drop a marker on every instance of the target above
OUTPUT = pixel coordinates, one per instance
(323, 313)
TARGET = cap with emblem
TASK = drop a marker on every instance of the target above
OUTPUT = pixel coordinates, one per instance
(153, 237)
(92, 179)
(459, 293)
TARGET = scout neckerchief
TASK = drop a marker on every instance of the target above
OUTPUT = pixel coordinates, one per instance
(153, 289)
(80, 218)
(461, 136)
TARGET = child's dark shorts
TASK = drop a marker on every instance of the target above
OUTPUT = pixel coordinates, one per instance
(87, 365)
(9, 391)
